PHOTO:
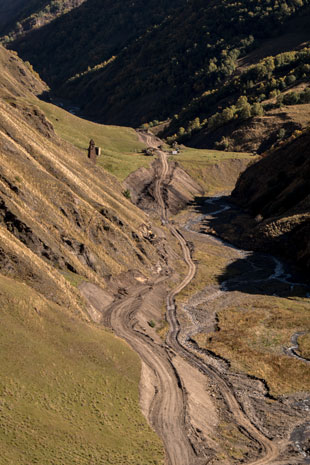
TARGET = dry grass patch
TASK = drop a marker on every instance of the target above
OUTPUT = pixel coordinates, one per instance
(304, 345)
(259, 330)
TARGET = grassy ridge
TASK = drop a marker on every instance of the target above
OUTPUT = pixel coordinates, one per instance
(120, 145)
(68, 389)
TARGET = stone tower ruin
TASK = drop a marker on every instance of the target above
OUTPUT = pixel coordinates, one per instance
(92, 151)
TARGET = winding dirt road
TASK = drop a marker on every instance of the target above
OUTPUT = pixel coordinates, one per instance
(269, 449)
(168, 411)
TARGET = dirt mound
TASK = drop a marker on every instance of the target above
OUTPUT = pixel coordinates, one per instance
(178, 189)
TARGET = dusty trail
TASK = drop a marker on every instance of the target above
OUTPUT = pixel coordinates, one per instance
(292, 351)
(270, 450)
(166, 414)
(158, 186)
(168, 411)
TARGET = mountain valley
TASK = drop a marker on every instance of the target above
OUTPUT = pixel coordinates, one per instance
(155, 300)
(176, 64)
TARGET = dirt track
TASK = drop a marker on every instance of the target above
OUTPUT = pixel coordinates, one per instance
(270, 450)
(168, 409)
(166, 413)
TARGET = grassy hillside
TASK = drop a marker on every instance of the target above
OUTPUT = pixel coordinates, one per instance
(214, 170)
(120, 145)
(36, 164)
(68, 388)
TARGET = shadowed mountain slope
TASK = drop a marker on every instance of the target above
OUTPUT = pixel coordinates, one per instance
(276, 191)
(89, 36)
(19, 17)
(133, 63)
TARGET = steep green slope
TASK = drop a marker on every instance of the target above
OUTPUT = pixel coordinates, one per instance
(68, 388)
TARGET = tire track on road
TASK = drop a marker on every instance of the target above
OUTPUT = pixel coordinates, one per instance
(168, 411)
(269, 449)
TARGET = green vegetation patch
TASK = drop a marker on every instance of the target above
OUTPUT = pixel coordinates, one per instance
(214, 170)
(68, 389)
(73, 278)
(120, 145)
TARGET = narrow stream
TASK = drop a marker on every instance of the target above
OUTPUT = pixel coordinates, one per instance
(261, 270)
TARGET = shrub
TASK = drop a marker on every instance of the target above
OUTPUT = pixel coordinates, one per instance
(127, 194)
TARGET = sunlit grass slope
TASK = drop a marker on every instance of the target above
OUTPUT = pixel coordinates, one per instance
(68, 388)
(214, 170)
(120, 145)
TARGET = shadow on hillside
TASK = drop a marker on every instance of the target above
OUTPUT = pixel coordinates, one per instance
(262, 274)
(252, 272)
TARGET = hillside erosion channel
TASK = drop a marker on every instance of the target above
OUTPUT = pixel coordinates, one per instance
(204, 411)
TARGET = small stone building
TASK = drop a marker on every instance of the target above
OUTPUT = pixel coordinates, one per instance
(93, 151)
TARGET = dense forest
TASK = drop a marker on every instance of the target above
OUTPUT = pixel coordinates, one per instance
(136, 63)
(18, 17)
(88, 36)
(253, 92)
